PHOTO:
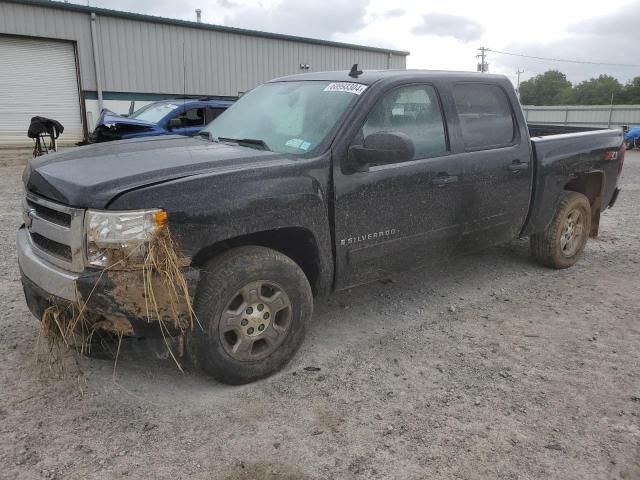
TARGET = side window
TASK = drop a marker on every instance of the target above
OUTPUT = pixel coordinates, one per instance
(414, 111)
(485, 115)
(194, 117)
(213, 113)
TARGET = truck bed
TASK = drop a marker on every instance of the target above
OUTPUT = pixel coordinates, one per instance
(562, 155)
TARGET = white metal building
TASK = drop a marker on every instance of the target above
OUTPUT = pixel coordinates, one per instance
(67, 61)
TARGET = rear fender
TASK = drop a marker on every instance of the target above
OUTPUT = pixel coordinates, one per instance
(560, 160)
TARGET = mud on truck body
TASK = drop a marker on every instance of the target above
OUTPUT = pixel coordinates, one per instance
(309, 184)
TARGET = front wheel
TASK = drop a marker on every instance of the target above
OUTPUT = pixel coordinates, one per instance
(252, 306)
(564, 239)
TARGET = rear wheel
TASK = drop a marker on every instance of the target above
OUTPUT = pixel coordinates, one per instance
(252, 306)
(564, 239)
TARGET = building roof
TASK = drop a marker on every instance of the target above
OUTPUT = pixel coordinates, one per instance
(204, 26)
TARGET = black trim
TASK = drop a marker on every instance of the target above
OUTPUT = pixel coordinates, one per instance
(614, 197)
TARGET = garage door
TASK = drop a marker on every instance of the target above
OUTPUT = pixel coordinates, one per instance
(37, 78)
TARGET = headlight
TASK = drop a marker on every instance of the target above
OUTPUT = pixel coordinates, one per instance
(114, 237)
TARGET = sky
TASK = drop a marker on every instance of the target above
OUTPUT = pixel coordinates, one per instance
(442, 35)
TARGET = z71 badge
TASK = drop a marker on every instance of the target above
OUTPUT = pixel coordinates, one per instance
(369, 236)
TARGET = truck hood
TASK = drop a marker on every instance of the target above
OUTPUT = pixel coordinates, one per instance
(112, 126)
(108, 118)
(91, 176)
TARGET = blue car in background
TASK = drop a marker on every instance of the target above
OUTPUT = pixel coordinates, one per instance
(632, 138)
(177, 116)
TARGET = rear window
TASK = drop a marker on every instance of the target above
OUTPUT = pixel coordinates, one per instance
(485, 116)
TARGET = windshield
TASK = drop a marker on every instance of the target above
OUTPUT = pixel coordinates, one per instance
(286, 117)
(153, 112)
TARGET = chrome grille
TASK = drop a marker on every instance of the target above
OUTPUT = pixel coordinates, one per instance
(55, 232)
(54, 216)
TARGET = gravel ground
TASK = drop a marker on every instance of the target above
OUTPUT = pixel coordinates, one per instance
(491, 368)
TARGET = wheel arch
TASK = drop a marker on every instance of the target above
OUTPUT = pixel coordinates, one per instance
(298, 243)
(591, 185)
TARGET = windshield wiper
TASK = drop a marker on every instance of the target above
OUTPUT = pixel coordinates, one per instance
(247, 142)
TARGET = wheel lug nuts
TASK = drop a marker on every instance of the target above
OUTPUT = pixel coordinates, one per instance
(244, 322)
(261, 327)
(260, 307)
(249, 311)
(250, 330)
(266, 316)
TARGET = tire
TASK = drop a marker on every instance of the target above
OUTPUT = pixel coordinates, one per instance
(564, 239)
(252, 306)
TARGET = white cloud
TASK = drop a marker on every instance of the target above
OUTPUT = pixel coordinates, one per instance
(583, 29)
(609, 39)
(445, 25)
(312, 18)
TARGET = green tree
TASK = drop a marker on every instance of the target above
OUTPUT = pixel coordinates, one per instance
(630, 93)
(547, 89)
(597, 91)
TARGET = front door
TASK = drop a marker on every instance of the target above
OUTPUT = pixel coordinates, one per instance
(398, 216)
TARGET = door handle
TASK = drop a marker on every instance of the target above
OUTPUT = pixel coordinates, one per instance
(443, 179)
(517, 166)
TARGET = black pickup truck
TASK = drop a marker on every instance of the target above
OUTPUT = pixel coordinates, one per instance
(309, 184)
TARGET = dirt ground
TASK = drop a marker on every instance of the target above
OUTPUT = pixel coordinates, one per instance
(494, 367)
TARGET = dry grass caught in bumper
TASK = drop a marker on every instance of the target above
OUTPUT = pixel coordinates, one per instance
(166, 301)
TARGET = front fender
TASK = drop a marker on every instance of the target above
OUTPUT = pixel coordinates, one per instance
(206, 209)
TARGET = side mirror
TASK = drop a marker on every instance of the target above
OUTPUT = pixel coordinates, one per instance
(174, 123)
(380, 149)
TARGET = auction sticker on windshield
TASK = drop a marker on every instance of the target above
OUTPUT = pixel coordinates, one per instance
(355, 88)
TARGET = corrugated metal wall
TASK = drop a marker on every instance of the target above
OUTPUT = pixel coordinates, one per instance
(147, 57)
(587, 116)
(27, 20)
(47, 89)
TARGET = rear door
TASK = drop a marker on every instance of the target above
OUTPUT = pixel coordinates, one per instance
(398, 216)
(497, 172)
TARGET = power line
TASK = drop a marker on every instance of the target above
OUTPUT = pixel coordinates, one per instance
(583, 62)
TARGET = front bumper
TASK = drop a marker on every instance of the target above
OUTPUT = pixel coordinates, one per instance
(54, 280)
(105, 294)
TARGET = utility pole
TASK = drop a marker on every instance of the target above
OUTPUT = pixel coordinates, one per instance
(610, 111)
(483, 66)
(518, 72)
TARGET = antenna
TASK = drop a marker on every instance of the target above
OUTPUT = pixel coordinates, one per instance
(354, 72)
